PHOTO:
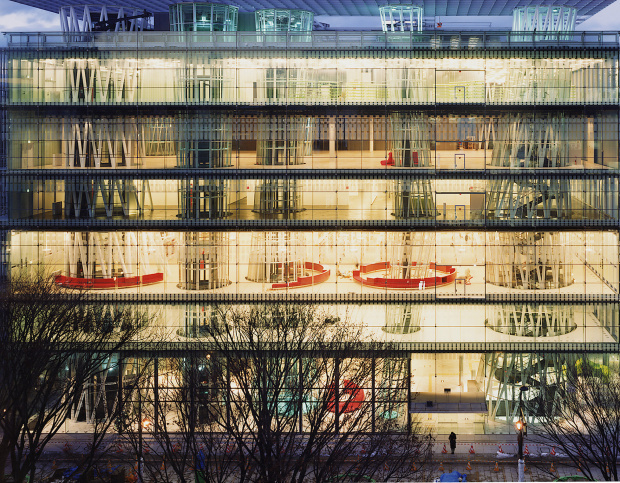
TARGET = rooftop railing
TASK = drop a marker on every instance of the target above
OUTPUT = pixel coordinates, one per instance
(436, 40)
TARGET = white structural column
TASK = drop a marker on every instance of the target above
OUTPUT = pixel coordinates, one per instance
(529, 260)
(92, 255)
(331, 135)
(526, 141)
(204, 261)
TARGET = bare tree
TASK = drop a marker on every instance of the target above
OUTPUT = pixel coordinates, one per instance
(57, 351)
(579, 415)
(284, 393)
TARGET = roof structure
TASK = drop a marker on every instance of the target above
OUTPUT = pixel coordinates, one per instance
(586, 8)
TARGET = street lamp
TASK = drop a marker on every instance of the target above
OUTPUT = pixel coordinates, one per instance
(521, 427)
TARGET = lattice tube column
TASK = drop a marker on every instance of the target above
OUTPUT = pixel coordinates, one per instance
(532, 320)
(401, 18)
(543, 19)
(5, 243)
(531, 141)
(204, 261)
(414, 198)
(402, 319)
(284, 140)
(283, 20)
(409, 146)
(409, 139)
(205, 141)
(507, 372)
(529, 260)
(202, 198)
(410, 254)
(391, 390)
(200, 320)
(278, 196)
(203, 17)
(105, 198)
(100, 143)
(109, 260)
(84, 18)
(526, 141)
(93, 399)
(277, 257)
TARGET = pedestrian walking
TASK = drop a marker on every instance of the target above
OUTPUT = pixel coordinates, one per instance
(452, 439)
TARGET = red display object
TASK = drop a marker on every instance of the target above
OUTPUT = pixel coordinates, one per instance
(353, 403)
(403, 283)
(322, 276)
(389, 161)
(108, 283)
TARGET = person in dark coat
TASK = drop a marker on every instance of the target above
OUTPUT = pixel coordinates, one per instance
(452, 439)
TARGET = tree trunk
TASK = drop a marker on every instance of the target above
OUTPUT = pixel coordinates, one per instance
(4, 455)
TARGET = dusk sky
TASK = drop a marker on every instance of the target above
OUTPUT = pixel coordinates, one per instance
(15, 17)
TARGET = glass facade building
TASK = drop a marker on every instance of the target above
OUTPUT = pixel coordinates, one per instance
(455, 192)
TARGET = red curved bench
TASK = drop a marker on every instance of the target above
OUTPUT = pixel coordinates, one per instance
(108, 283)
(353, 403)
(403, 283)
(322, 276)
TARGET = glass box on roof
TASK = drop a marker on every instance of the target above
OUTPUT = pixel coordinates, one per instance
(203, 17)
(401, 18)
(283, 20)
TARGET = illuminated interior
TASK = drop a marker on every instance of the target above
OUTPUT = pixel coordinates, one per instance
(455, 193)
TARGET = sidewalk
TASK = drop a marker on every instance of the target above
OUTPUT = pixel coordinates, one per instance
(483, 467)
(480, 451)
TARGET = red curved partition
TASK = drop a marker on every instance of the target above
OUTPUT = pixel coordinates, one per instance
(403, 283)
(108, 283)
(353, 403)
(320, 277)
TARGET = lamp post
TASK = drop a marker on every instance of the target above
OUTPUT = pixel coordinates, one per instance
(521, 427)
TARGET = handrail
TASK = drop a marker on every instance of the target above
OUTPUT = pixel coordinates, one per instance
(434, 40)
